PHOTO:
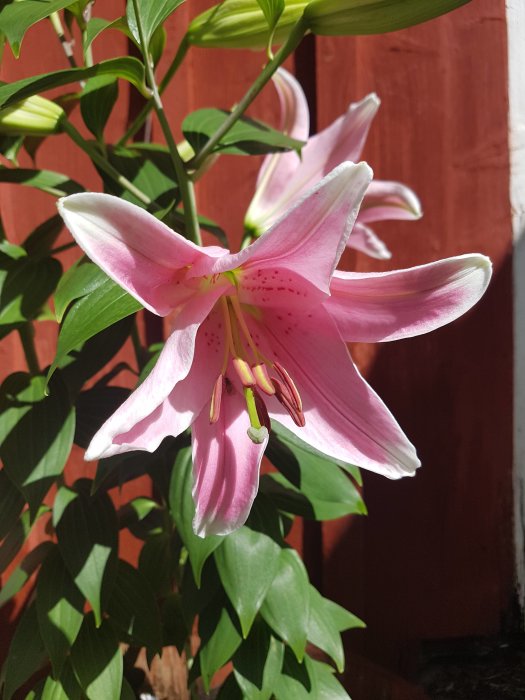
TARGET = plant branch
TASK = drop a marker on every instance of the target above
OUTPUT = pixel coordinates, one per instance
(286, 49)
(185, 185)
(142, 115)
(104, 164)
(66, 45)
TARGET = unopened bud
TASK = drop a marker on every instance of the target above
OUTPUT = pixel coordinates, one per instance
(34, 116)
(349, 17)
(241, 24)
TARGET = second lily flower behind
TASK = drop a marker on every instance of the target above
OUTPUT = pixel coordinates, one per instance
(261, 334)
(284, 177)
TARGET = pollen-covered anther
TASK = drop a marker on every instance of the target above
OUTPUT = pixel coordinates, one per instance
(263, 379)
(244, 372)
(216, 398)
(285, 398)
(288, 382)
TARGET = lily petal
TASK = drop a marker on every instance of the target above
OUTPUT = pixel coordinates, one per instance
(136, 423)
(367, 241)
(135, 249)
(277, 169)
(389, 200)
(372, 307)
(311, 236)
(344, 417)
(226, 467)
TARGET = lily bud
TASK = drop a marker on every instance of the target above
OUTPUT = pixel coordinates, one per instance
(340, 17)
(241, 24)
(34, 116)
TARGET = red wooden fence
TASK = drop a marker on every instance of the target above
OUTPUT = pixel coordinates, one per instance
(434, 558)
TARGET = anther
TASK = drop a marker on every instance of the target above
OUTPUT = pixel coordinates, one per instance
(289, 383)
(285, 398)
(216, 397)
(262, 378)
(244, 372)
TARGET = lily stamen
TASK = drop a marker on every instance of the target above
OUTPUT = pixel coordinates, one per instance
(287, 401)
(290, 385)
(216, 397)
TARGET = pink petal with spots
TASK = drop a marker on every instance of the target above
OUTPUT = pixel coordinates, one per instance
(372, 307)
(139, 421)
(135, 249)
(365, 240)
(345, 418)
(389, 200)
(310, 238)
(226, 467)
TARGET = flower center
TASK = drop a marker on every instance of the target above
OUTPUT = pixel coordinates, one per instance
(257, 374)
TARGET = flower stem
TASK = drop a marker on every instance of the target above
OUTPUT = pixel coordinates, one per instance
(66, 45)
(185, 185)
(27, 336)
(286, 49)
(102, 163)
(141, 116)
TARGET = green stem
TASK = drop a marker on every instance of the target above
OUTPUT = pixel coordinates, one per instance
(66, 45)
(291, 44)
(102, 163)
(27, 336)
(183, 181)
(141, 116)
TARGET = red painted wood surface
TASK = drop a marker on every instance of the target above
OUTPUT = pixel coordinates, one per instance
(434, 558)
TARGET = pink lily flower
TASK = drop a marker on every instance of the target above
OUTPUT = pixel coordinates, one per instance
(260, 335)
(285, 177)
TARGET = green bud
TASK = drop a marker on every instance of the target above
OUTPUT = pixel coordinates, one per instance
(241, 24)
(34, 116)
(340, 17)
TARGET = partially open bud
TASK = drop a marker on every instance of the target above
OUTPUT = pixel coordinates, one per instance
(241, 24)
(343, 17)
(34, 116)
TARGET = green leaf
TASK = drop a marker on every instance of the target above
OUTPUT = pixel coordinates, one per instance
(60, 607)
(326, 686)
(182, 510)
(342, 619)
(86, 528)
(257, 663)
(302, 450)
(286, 605)
(81, 279)
(156, 563)
(220, 638)
(246, 137)
(272, 10)
(350, 17)
(39, 242)
(17, 17)
(48, 181)
(19, 577)
(97, 661)
(26, 652)
(11, 504)
(25, 286)
(153, 13)
(15, 539)
(149, 167)
(97, 101)
(33, 464)
(133, 608)
(96, 26)
(128, 68)
(247, 562)
(295, 682)
(64, 688)
(100, 308)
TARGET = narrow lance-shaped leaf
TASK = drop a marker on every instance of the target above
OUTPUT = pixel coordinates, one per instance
(128, 68)
(17, 17)
(86, 528)
(153, 13)
(257, 662)
(247, 136)
(220, 638)
(26, 653)
(48, 181)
